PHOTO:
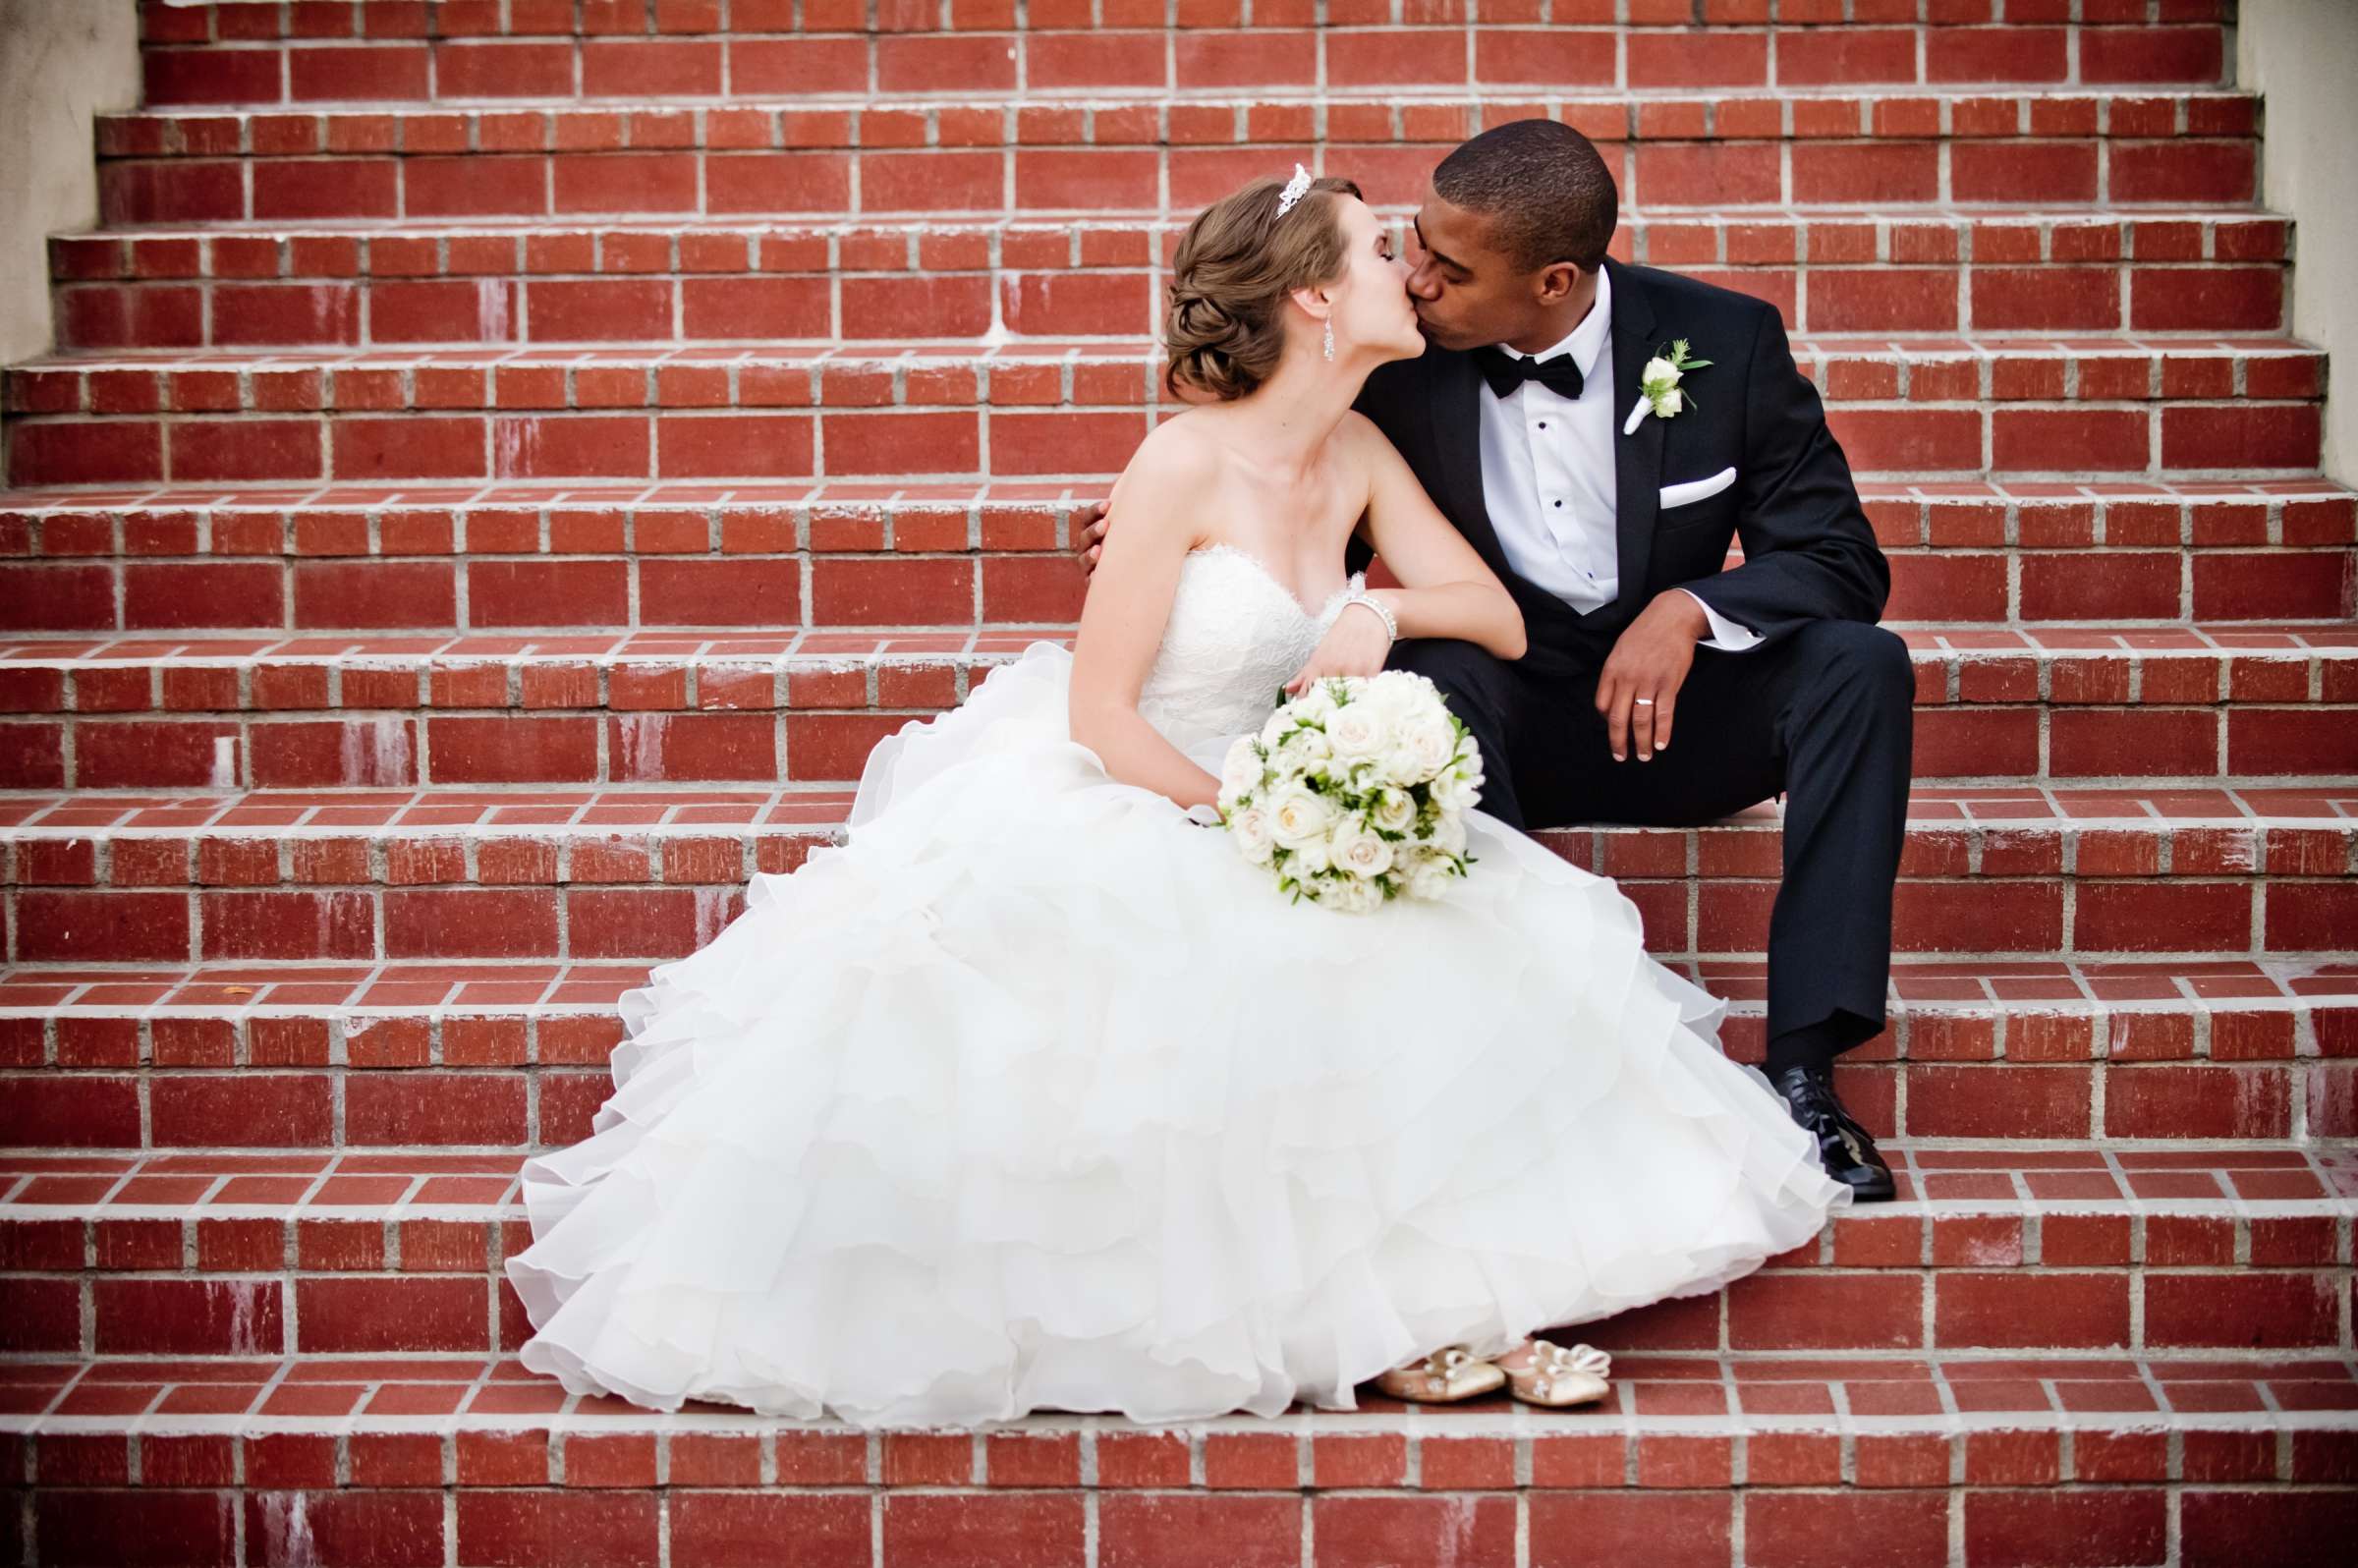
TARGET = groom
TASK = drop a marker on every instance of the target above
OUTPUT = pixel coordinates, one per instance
(1603, 493)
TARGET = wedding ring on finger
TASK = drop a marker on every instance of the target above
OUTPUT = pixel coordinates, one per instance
(1644, 702)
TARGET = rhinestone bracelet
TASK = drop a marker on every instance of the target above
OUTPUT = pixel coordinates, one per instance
(1391, 622)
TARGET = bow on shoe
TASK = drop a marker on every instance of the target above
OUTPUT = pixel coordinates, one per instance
(1553, 1361)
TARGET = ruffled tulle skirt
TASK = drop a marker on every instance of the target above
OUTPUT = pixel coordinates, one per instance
(1035, 1095)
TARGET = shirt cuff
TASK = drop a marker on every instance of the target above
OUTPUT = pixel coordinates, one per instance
(1726, 636)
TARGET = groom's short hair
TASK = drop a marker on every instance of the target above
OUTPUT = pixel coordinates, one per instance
(1543, 186)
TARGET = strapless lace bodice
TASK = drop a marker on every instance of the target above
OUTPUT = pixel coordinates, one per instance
(1235, 635)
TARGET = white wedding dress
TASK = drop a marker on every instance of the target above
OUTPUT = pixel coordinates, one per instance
(1035, 1095)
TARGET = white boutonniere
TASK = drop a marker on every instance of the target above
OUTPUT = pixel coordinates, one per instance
(1658, 387)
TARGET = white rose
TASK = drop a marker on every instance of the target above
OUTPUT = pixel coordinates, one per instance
(1315, 703)
(1454, 791)
(1396, 693)
(1358, 732)
(1255, 838)
(1309, 745)
(1309, 856)
(1359, 852)
(1351, 896)
(1668, 403)
(1240, 770)
(1658, 373)
(1449, 833)
(1428, 744)
(1394, 811)
(1430, 875)
(1298, 817)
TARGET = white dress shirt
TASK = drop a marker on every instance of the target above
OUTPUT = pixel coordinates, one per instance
(1549, 480)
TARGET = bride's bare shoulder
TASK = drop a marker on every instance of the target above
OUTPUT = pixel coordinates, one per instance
(1188, 437)
(1178, 456)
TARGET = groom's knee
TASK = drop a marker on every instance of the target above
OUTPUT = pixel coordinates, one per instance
(1862, 669)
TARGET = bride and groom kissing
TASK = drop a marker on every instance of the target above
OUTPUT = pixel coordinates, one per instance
(1029, 1095)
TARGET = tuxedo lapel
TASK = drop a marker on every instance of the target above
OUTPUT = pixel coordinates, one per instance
(1457, 449)
(1636, 454)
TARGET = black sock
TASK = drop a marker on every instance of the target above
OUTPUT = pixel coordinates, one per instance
(1799, 1048)
(1817, 1044)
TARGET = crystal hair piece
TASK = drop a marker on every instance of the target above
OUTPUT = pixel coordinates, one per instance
(1294, 187)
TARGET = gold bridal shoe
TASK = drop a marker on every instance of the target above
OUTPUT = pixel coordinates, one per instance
(1559, 1377)
(1445, 1376)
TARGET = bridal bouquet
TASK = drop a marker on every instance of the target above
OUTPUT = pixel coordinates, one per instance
(1356, 792)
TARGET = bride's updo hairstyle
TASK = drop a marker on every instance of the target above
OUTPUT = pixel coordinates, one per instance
(1224, 325)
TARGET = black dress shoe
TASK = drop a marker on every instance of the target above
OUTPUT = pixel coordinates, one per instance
(1843, 1145)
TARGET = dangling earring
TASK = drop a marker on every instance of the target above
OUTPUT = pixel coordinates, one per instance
(1331, 337)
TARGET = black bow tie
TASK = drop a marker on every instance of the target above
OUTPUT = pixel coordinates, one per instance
(1505, 373)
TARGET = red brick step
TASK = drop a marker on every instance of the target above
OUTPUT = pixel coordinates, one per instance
(1943, 409)
(757, 558)
(512, 1055)
(2020, 150)
(632, 48)
(2064, 1248)
(524, 872)
(555, 283)
(2182, 704)
(2187, 1458)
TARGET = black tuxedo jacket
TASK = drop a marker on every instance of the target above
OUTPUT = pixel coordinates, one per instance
(1808, 553)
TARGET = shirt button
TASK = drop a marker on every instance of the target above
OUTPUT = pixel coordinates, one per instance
(1559, 503)
(1543, 425)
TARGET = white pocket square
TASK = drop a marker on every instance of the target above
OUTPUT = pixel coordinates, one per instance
(1697, 489)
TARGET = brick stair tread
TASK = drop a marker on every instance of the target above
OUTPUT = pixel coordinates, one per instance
(2253, 231)
(652, 872)
(2077, 347)
(2245, 705)
(473, 1456)
(2014, 810)
(1717, 151)
(827, 646)
(196, 23)
(2250, 704)
(1969, 109)
(1703, 1395)
(2215, 503)
(460, 282)
(2216, 1052)
(421, 991)
(1937, 1182)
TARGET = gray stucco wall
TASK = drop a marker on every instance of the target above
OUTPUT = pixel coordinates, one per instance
(60, 61)
(2303, 55)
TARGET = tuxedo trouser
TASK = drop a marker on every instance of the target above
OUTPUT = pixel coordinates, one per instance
(1824, 714)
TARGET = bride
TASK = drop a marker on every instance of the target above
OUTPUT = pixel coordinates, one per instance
(1035, 1095)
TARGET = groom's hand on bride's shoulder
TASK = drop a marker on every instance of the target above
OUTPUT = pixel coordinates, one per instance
(1090, 539)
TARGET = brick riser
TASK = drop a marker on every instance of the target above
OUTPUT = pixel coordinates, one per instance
(2148, 706)
(257, 1056)
(547, 50)
(375, 1263)
(559, 874)
(2231, 409)
(2024, 151)
(834, 556)
(513, 1481)
(780, 283)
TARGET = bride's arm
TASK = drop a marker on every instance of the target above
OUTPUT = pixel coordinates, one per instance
(1122, 619)
(1447, 589)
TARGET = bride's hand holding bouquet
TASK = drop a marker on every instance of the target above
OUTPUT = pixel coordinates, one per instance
(1355, 644)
